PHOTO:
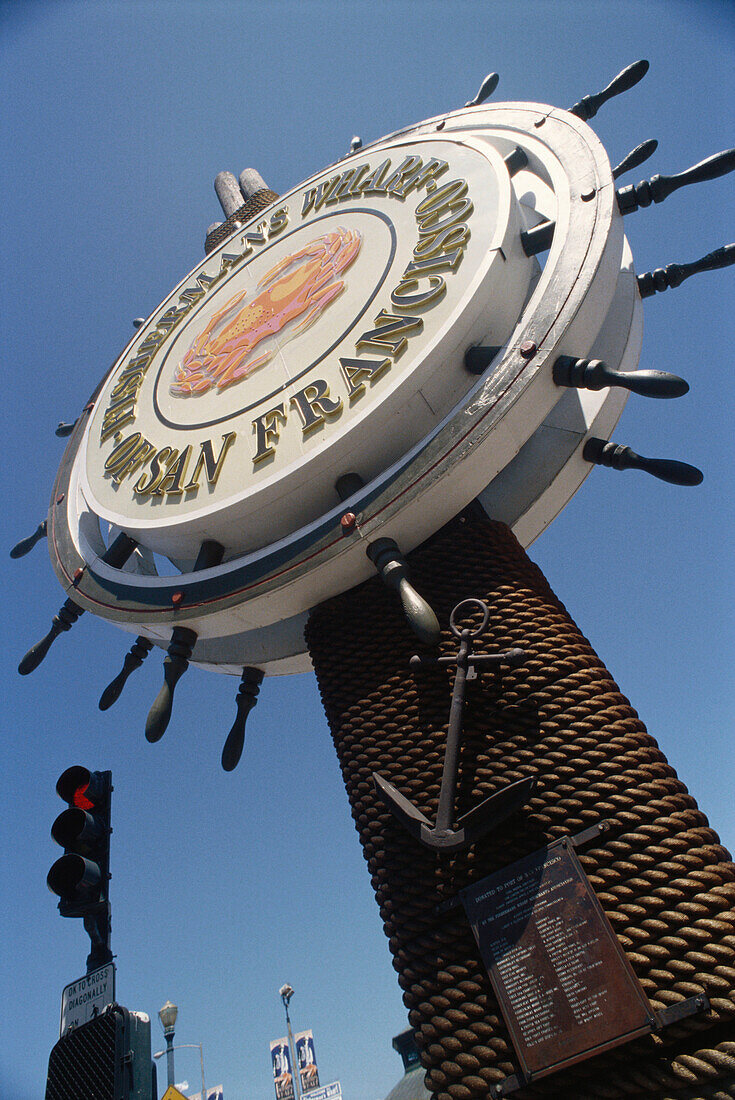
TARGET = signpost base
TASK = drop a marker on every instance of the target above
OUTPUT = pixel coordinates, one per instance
(665, 883)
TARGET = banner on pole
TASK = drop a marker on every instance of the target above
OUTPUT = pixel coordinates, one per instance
(306, 1060)
(282, 1069)
(216, 1092)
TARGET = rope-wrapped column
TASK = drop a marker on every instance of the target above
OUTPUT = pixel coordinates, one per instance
(664, 880)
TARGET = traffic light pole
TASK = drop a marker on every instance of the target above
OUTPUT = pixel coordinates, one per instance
(98, 928)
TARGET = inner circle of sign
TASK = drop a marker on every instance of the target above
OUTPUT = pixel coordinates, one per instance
(165, 364)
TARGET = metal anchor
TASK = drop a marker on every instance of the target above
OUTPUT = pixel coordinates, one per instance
(494, 809)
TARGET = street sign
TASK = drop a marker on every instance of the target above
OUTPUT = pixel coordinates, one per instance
(326, 1092)
(85, 998)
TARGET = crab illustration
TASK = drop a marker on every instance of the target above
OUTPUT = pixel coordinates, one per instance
(300, 286)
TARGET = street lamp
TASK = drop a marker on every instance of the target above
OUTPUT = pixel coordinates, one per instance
(286, 993)
(167, 1015)
(179, 1046)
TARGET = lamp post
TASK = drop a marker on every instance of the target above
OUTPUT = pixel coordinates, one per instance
(167, 1015)
(179, 1046)
(286, 993)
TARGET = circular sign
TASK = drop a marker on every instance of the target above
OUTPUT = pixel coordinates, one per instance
(307, 389)
(319, 341)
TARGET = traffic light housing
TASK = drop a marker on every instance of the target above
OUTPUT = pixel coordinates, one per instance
(80, 877)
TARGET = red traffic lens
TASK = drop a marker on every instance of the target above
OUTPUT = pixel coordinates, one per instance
(79, 798)
(73, 785)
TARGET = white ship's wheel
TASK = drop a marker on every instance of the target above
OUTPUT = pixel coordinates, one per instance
(350, 366)
(439, 249)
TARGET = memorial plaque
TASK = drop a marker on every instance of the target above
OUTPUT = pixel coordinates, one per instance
(564, 985)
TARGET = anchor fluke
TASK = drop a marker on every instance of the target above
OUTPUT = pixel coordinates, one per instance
(469, 828)
(413, 821)
(480, 819)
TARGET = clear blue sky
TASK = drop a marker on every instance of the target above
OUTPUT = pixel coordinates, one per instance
(116, 118)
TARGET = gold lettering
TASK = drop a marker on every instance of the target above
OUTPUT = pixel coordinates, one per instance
(339, 191)
(127, 456)
(455, 235)
(127, 386)
(356, 185)
(357, 372)
(323, 191)
(391, 333)
(267, 434)
(207, 461)
(166, 456)
(255, 236)
(172, 317)
(308, 202)
(394, 182)
(151, 342)
(116, 418)
(402, 300)
(440, 200)
(373, 185)
(279, 221)
(420, 176)
(192, 294)
(170, 483)
(140, 362)
(136, 374)
(448, 262)
(458, 212)
(226, 261)
(315, 405)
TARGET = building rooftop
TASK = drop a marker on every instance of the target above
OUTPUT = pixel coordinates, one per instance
(411, 1086)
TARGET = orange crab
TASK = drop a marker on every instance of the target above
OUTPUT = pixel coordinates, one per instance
(300, 286)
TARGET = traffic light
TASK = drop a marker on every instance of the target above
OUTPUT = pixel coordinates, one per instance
(80, 877)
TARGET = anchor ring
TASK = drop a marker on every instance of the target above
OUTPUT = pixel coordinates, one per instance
(478, 630)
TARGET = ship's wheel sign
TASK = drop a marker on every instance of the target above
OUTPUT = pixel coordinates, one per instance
(449, 314)
(324, 338)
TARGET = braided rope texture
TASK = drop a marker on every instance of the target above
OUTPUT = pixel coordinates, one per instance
(664, 880)
(257, 202)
